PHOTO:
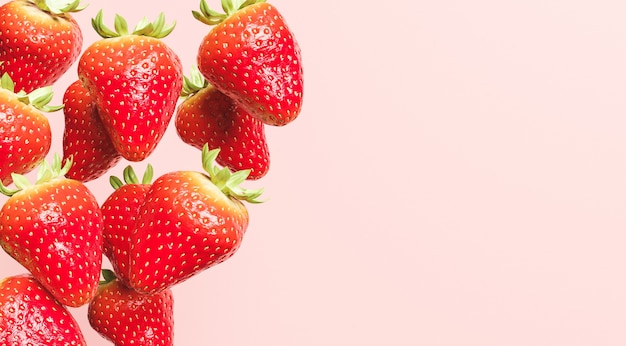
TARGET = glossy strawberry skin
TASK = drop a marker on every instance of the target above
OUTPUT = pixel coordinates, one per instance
(119, 212)
(30, 315)
(210, 117)
(54, 230)
(136, 82)
(25, 136)
(36, 48)
(85, 139)
(126, 317)
(185, 225)
(254, 58)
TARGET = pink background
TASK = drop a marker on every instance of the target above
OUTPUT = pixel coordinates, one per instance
(457, 177)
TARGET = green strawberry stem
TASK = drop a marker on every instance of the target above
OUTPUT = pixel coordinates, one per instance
(156, 29)
(194, 83)
(107, 276)
(211, 17)
(227, 181)
(59, 6)
(38, 98)
(45, 173)
(131, 178)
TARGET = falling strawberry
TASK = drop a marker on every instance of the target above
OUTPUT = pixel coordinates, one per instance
(252, 56)
(30, 315)
(39, 41)
(135, 79)
(189, 221)
(54, 229)
(119, 212)
(207, 116)
(25, 134)
(85, 139)
(126, 317)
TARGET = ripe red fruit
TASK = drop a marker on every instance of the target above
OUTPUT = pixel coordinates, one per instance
(207, 116)
(189, 221)
(85, 139)
(25, 135)
(39, 41)
(54, 229)
(136, 80)
(119, 212)
(252, 56)
(126, 317)
(29, 315)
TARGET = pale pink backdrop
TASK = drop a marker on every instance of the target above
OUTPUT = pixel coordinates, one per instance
(457, 177)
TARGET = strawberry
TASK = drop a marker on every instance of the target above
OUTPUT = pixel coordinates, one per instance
(207, 116)
(119, 212)
(189, 221)
(39, 41)
(126, 317)
(25, 134)
(84, 138)
(252, 56)
(30, 315)
(54, 229)
(135, 79)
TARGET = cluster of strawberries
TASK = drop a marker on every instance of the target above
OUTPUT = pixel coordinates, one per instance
(155, 232)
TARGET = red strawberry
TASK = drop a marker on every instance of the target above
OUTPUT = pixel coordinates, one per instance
(25, 135)
(207, 116)
(84, 138)
(54, 229)
(252, 56)
(39, 41)
(136, 81)
(189, 221)
(29, 315)
(126, 317)
(119, 212)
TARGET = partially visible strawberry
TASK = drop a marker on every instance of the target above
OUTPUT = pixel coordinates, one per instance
(207, 116)
(135, 79)
(25, 134)
(30, 315)
(189, 221)
(84, 137)
(39, 41)
(119, 212)
(54, 229)
(126, 317)
(252, 56)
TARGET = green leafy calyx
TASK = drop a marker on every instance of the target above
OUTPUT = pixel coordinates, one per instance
(156, 29)
(227, 181)
(59, 7)
(38, 98)
(211, 17)
(107, 276)
(45, 173)
(193, 83)
(131, 178)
